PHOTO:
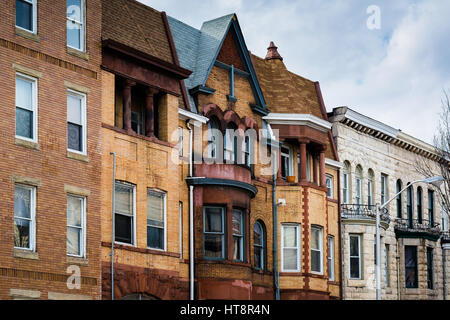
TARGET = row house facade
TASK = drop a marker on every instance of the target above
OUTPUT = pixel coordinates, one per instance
(50, 145)
(379, 161)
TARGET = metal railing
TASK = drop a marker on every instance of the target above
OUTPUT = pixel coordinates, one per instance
(446, 236)
(355, 211)
(414, 225)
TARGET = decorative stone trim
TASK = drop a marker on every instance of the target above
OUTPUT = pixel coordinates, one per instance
(26, 70)
(25, 254)
(78, 53)
(26, 180)
(27, 144)
(22, 294)
(27, 34)
(67, 296)
(77, 260)
(77, 156)
(76, 190)
(76, 87)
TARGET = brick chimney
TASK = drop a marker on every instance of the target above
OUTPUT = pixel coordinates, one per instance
(272, 52)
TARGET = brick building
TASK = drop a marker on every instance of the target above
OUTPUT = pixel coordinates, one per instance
(50, 148)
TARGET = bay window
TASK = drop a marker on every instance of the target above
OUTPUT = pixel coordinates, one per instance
(331, 275)
(238, 235)
(316, 250)
(355, 256)
(411, 277)
(290, 244)
(214, 232)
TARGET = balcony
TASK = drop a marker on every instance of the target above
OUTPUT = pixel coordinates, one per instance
(445, 237)
(364, 213)
(413, 228)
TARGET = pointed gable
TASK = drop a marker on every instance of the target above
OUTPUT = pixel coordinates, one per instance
(229, 53)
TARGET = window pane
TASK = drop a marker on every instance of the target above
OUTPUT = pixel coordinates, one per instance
(155, 237)
(124, 199)
(74, 9)
(213, 246)
(411, 267)
(21, 233)
(22, 202)
(290, 236)
(315, 261)
(237, 253)
(74, 109)
(258, 255)
(24, 94)
(290, 259)
(74, 210)
(354, 246)
(24, 123)
(257, 234)
(155, 209)
(74, 137)
(24, 15)
(315, 239)
(213, 220)
(237, 222)
(74, 34)
(123, 231)
(73, 241)
(354, 268)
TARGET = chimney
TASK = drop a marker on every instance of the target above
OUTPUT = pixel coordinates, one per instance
(272, 52)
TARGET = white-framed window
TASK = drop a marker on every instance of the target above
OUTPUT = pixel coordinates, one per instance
(76, 122)
(331, 274)
(316, 249)
(286, 162)
(26, 108)
(444, 217)
(238, 227)
(370, 188)
(355, 256)
(259, 243)
(76, 226)
(24, 217)
(156, 220)
(290, 244)
(329, 184)
(383, 188)
(214, 233)
(76, 24)
(125, 208)
(358, 185)
(180, 141)
(308, 166)
(26, 15)
(345, 181)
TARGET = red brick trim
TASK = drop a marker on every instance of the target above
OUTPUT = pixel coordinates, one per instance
(305, 238)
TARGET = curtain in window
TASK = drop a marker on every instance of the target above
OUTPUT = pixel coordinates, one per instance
(290, 248)
(316, 249)
(22, 217)
(124, 213)
(74, 225)
(155, 220)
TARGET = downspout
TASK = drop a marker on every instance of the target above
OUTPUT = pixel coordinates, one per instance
(275, 230)
(398, 272)
(341, 235)
(113, 224)
(191, 216)
(444, 284)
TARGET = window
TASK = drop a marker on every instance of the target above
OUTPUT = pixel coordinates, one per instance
(345, 180)
(384, 190)
(399, 199)
(411, 267)
(124, 213)
(259, 239)
(26, 15)
(214, 232)
(238, 235)
(331, 275)
(156, 220)
(355, 256)
(329, 184)
(26, 107)
(76, 213)
(419, 205)
(286, 165)
(290, 244)
(358, 179)
(370, 188)
(409, 205)
(76, 122)
(431, 207)
(308, 166)
(213, 131)
(137, 121)
(316, 250)
(246, 151)
(180, 141)
(75, 24)
(24, 216)
(444, 217)
(386, 265)
(230, 144)
(430, 268)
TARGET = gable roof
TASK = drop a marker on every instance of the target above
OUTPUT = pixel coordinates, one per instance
(198, 51)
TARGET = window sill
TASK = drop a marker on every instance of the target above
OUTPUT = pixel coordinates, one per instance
(77, 156)
(27, 34)
(78, 53)
(27, 144)
(77, 260)
(25, 254)
(356, 283)
(224, 261)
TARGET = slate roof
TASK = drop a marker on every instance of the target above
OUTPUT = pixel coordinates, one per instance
(137, 26)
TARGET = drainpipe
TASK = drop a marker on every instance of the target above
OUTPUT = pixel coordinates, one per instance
(443, 274)
(398, 271)
(341, 235)
(113, 224)
(191, 216)
(275, 230)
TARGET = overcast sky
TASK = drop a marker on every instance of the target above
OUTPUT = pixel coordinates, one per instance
(395, 74)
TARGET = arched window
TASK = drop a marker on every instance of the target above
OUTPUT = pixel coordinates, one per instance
(370, 179)
(213, 129)
(399, 199)
(259, 239)
(358, 185)
(419, 205)
(409, 204)
(345, 182)
(230, 143)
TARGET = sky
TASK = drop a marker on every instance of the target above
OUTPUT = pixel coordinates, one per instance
(396, 73)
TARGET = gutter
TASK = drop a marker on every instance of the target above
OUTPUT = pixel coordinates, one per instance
(113, 224)
(275, 232)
